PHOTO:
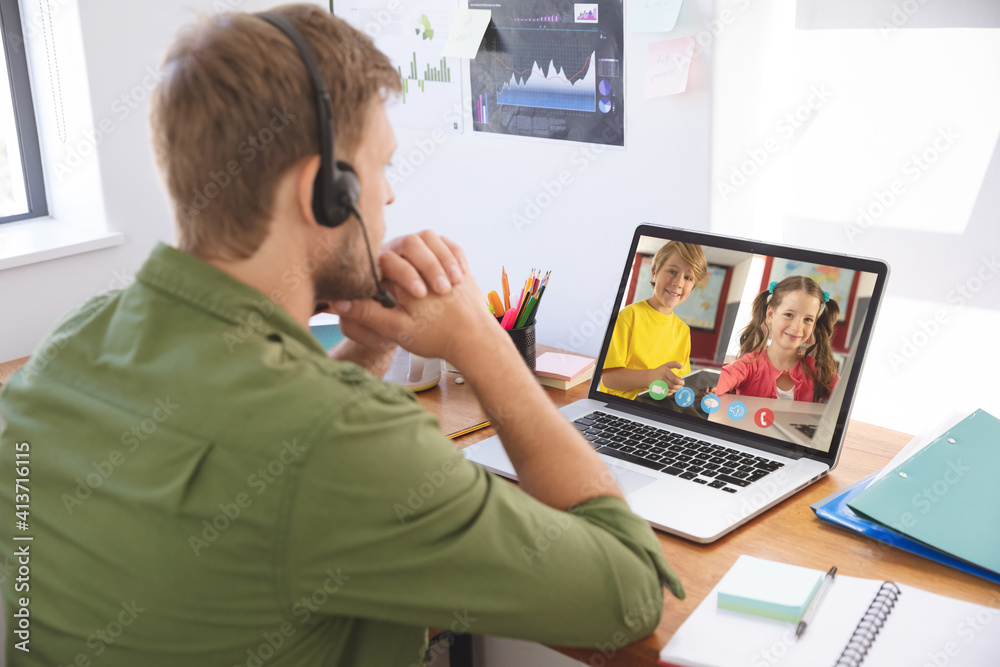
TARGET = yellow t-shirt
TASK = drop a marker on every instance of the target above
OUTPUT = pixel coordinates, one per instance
(646, 338)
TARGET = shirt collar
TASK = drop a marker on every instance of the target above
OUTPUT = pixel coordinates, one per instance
(199, 283)
(795, 372)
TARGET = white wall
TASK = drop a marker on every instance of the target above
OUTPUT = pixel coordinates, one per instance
(943, 294)
(582, 236)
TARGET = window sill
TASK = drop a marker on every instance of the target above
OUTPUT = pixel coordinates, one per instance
(32, 241)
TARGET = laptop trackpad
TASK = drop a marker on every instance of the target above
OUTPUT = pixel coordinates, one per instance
(629, 481)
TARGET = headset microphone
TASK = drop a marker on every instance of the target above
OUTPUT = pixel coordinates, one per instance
(337, 188)
(383, 296)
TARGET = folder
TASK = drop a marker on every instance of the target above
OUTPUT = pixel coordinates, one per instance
(834, 510)
(946, 495)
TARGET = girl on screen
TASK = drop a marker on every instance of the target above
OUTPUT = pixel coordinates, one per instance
(785, 349)
(649, 341)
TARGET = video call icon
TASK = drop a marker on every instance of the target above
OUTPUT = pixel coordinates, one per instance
(684, 397)
(658, 389)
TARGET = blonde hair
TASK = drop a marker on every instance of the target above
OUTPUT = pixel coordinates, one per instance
(690, 253)
(754, 336)
(235, 110)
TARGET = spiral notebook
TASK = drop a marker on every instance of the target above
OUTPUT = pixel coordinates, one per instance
(860, 623)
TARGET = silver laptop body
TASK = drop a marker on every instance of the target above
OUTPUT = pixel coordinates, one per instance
(761, 466)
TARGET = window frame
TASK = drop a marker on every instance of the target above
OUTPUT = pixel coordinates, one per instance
(24, 112)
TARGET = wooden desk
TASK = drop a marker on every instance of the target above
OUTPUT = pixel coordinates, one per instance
(788, 532)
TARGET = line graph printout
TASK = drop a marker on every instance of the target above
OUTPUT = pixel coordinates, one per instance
(551, 70)
(413, 35)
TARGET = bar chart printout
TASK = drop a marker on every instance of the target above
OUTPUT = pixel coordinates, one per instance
(551, 70)
(413, 34)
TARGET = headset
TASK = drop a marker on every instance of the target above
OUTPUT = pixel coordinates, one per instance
(337, 188)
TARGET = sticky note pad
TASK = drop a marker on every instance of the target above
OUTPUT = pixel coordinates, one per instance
(769, 589)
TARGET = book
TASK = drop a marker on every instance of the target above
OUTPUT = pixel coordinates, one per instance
(769, 589)
(859, 623)
(567, 384)
(560, 366)
(945, 495)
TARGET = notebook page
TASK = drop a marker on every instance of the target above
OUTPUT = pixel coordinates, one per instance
(713, 637)
(929, 629)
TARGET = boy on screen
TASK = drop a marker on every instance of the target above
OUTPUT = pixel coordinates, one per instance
(650, 342)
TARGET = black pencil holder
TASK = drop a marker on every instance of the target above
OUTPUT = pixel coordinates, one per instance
(524, 341)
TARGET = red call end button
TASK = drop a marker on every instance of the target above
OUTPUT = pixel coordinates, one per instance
(764, 418)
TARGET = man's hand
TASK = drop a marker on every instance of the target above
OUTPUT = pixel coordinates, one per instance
(419, 264)
(456, 326)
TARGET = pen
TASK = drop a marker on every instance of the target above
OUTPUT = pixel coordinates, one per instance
(811, 609)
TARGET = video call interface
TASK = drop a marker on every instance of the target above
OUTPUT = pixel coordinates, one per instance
(749, 341)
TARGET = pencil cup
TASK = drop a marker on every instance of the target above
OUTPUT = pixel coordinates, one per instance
(524, 341)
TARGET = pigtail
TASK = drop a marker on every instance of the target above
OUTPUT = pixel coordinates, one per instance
(753, 338)
(821, 351)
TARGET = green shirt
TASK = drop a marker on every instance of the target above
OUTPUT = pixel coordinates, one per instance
(208, 487)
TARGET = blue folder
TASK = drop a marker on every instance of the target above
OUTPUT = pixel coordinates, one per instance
(833, 509)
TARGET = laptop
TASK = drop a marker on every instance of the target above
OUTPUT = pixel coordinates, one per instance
(806, 428)
(699, 465)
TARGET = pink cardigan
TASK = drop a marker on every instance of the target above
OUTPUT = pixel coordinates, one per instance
(753, 374)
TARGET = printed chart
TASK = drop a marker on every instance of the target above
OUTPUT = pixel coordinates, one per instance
(551, 70)
(413, 36)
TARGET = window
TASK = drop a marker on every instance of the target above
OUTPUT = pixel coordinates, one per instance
(22, 190)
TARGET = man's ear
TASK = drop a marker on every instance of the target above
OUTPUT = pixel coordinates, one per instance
(304, 189)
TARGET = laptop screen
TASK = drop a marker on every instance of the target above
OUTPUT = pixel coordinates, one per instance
(757, 342)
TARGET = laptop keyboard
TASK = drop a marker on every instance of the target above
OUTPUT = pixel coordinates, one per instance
(701, 462)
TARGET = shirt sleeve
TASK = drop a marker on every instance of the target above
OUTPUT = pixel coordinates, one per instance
(732, 376)
(420, 536)
(621, 337)
(686, 351)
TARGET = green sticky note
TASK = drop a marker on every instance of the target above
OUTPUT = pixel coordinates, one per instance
(769, 589)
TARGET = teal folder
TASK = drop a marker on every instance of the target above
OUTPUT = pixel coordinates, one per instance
(947, 495)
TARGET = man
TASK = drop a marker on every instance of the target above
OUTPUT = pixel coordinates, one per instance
(208, 487)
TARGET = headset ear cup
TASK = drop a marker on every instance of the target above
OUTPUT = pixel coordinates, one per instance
(347, 185)
(320, 201)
